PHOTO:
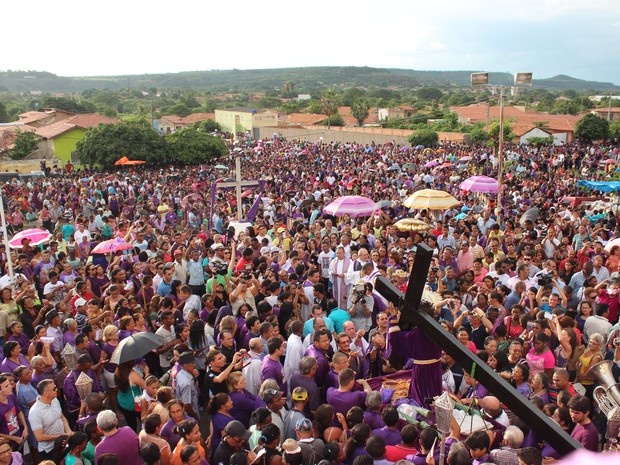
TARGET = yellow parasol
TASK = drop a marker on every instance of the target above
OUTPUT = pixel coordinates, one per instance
(431, 200)
(412, 225)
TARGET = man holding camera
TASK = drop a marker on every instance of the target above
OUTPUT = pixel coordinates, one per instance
(362, 305)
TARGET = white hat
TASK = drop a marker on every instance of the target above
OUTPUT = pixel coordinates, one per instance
(80, 302)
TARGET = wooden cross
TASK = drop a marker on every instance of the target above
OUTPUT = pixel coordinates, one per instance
(238, 184)
(408, 305)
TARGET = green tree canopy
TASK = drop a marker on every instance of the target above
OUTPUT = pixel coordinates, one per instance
(592, 127)
(614, 129)
(425, 137)
(334, 120)
(4, 116)
(429, 93)
(190, 147)
(25, 143)
(208, 126)
(359, 111)
(107, 143)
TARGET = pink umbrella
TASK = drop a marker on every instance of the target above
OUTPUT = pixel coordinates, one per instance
(480, 184)
(431, 164)
(111, 246)
(354, 205)
(35, 236)
(194, 196)
(466, 158)
(610, 161)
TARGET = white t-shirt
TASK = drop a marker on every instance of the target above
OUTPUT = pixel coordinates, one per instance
(168, 336)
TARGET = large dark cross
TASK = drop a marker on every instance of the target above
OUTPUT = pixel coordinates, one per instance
(411, 317)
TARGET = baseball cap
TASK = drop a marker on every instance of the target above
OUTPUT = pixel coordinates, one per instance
(271, 394)
(80, 302)
(281, 230)
(217, 245)
(265, 250)
(299, 393)
(236, 429)
(304, 425)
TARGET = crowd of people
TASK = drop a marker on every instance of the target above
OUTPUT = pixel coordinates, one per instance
(274, 337)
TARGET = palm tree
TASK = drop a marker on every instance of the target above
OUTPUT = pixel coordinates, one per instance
(289, 88)
(328, 104)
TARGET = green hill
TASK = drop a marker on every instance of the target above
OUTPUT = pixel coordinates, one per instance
(308, 79)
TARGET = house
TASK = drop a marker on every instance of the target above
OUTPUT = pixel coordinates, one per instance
(400, 112)
(172, 123)
(560, 126)
(60, 139)
(39, 119)
(526, 132)
(241, 119)
(612, 112)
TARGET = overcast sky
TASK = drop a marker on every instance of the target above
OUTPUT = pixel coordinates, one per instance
(547, 37)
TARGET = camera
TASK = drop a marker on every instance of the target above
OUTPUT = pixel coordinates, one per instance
(617, 342)
(360, 291)
(435, 269)
(545, 279)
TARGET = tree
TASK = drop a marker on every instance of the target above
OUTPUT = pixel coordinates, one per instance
(429, 93)
(4, 116)
(328, 103)
(208, 126)
(614, 130)
(592, 127)
(538, 141)
(478, 135)
(191, 147)
(107, 143)
(494, 131)
(359, 111)
(334, 120)
(289, 89)
(25, 143)
(425, 137)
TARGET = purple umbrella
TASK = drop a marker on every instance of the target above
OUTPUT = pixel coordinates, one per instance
(480, 184)
(354, 205)
(431, 164)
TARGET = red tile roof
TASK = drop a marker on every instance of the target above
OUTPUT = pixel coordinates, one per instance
(305, 118)
(195, 117)
(90, 120)
(84, 121)
(556, 123)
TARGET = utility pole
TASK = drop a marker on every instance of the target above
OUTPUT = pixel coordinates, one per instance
(500, 161)
(609, 108)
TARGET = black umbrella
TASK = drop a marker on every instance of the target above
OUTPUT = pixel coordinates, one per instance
(135, 347)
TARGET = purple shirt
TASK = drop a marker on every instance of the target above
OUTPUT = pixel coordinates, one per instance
(23, 342)
(373, 419)
(323, 364)
(391, 437)
(587, 436)
(244, 403)
(219, 421)
(9, 423)
(7, 365)
(71, 394)
(69, 338)
(343, 401)
(124, 444)
(273, 369)
(108, 349)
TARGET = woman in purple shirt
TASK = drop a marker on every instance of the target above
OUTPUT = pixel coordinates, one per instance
(110, 336)
(177, 415)
(244, 402)
(18, 335)
(13, 357)
(219, 407)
